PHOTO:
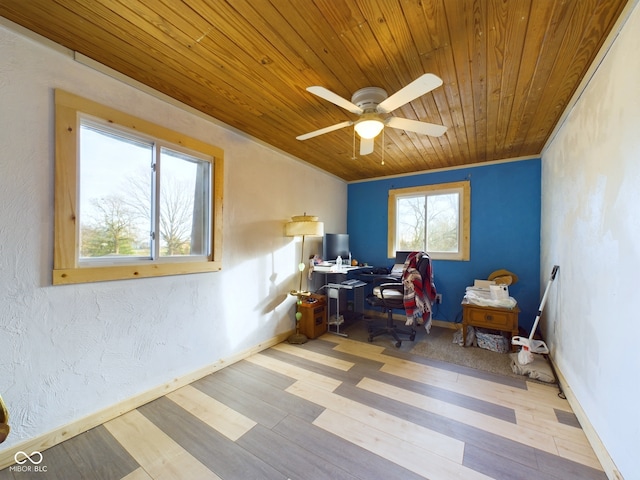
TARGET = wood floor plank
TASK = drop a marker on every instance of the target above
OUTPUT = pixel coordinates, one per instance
(504, 429)
(517, 382)
(209, 447)
(60, 466)
(479, 405)
(97, 454)
(338, 451)
(214, 413)
(401, 452)
(568, 418)
(385, 424)
(580, 452)
(340, 409)
(439, 393)
(265, 375)
(554, 428)
(539, 397)
(294, 371)
(313, 356)
(503, 395)
(353, 375)
(290, 458)
(267, 394)
(489, 462)
(391, 362)
(138, 474)
(248, 405)
(467, 434)
(154, 450)
(558, 467)
(329, 348)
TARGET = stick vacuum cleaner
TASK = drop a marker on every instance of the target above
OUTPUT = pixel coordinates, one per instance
(529, 345)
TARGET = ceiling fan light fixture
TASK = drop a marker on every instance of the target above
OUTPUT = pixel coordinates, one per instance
(369, 128)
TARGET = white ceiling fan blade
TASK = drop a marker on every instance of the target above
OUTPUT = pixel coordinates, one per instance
(335, 99)
(324, 130)
(415, 126)
(415, 89)
(366, 146)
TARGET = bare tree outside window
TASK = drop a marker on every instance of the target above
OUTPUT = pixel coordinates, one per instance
(433, 218)
(428, 222)
(133, 199)
(443, 222)
(411, 223)
(120, 176)
(110, 230)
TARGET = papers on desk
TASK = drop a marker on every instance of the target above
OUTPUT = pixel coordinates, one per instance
(332, 268)
(350, 284)
(347, 284)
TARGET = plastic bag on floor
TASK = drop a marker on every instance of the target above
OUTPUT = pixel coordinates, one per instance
(471, 336)
(538, 369)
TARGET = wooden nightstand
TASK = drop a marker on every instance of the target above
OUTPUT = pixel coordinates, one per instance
(503, 319)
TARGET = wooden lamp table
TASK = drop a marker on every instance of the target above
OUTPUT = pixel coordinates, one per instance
(313, 322)
(495, 318)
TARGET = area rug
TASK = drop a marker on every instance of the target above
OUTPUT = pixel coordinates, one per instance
(438, 346)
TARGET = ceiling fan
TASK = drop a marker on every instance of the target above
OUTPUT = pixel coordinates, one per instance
(371, 103)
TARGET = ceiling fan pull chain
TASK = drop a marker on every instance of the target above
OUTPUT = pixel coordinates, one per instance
(382, 163)
(353, 156)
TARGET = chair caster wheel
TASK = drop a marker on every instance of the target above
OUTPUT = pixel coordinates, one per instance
(398, 343)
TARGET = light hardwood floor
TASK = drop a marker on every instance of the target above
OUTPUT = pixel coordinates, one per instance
(335, 408)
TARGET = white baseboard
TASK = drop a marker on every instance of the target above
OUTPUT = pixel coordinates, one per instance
(59, 435)
(600, 450)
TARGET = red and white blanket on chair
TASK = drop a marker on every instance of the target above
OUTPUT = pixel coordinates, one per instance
(417, 304)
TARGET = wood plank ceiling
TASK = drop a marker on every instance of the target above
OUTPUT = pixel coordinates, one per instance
(509, 67)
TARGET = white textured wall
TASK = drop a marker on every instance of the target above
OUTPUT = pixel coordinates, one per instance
(69, 351)
(591, 228)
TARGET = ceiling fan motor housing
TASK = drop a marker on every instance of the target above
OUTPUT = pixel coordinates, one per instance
(368, 98)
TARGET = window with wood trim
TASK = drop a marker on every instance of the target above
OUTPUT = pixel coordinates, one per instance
(132, 199)
(431, 218)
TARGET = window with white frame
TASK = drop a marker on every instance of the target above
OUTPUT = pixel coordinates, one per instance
(431, 218)
(133, 199)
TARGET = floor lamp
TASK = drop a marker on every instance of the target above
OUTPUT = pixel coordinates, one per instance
(303, 226)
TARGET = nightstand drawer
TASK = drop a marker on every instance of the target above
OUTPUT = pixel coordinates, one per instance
(490, 319)
(505, 319)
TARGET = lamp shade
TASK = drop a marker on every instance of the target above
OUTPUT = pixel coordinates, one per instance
(301, 225)
(369, 128)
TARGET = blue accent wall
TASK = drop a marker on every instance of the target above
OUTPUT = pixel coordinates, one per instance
(505, 231)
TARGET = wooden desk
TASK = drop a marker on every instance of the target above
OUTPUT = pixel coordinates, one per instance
(503, 319)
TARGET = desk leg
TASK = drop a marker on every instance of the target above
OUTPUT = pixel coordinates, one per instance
(338, 320)
(464, 334)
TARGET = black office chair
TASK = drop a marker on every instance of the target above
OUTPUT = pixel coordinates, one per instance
(388, 294)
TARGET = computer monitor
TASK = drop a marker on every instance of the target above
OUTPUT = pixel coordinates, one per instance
(335, 244)
(398, 266)
(401, 256)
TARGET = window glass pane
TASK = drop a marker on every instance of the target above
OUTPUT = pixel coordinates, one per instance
(184, 204)
(411, 223)
(443, 222)
(115, 193)
(434, 218)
